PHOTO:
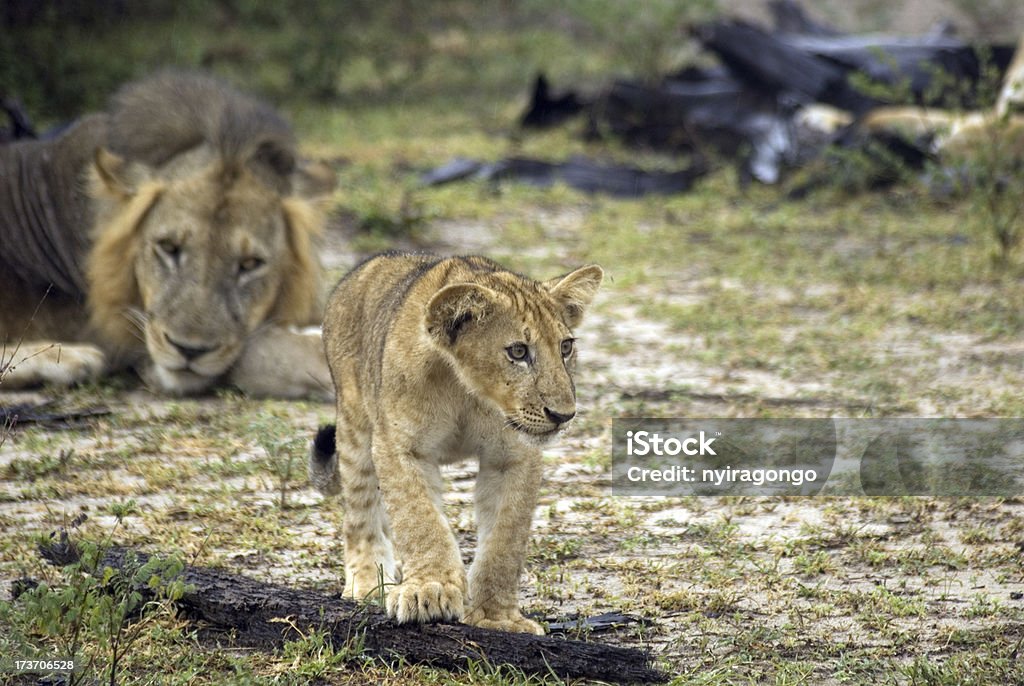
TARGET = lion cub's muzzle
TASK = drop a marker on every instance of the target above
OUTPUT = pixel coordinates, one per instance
(558, 418)
(541, 425)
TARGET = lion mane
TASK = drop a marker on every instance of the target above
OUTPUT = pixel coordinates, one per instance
(71, 206)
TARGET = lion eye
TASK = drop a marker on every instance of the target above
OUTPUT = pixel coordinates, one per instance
(250, 264)
(169, 249)
(567, 346)
(517, 352)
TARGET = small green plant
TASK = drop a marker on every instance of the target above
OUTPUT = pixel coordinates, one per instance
(93, 612)
(314, 655)
(557, 548)
(277, 438)
(814, 564)
(994, 175)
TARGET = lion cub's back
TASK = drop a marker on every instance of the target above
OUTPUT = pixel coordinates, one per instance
(363, 304)
(388, 293)
(363, 308)
(369, 298)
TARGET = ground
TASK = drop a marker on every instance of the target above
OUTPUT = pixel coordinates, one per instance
(719, 303)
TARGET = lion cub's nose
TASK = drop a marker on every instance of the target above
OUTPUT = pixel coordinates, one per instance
(558, 417)
(187, 351)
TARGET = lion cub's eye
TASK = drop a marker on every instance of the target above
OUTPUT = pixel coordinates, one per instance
(517, 352)
(567, 346)
(250, 264)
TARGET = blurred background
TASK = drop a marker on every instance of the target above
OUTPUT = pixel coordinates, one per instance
(62, 57)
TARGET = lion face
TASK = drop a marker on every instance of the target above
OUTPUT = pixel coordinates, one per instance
(209, 273)
(513, 345)
(532, 360)
(194, 264)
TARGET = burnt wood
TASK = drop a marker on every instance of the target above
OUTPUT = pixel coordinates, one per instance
(581, 173)
(252, 611)
(546, 109)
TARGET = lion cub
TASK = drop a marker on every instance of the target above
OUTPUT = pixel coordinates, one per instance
(435, 360)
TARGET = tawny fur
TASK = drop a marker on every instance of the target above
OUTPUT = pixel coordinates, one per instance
(172, 233)
(436, 360)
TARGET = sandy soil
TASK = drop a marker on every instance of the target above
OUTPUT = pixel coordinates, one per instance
(719, 581)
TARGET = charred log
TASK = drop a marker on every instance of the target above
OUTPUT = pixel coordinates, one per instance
(580, 173)
(252, 611)
(546, 110)
(39, 413)
(766, 63)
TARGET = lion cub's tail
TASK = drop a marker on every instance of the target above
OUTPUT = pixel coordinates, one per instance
(324, 473)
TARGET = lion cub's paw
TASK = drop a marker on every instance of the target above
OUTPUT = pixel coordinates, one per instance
(504, 621)
(425, 600)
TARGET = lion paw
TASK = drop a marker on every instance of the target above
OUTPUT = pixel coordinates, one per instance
(80, 363)
(504, 621)
(284, 363)
(425, 600)
(52, 363)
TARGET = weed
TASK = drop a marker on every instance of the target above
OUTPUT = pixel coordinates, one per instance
(994, 174)
(815, 564)
(314, 655)
(282, 448)
(94, 613)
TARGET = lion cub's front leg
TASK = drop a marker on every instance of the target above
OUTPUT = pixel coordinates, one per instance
(433, 584)
(506, 495)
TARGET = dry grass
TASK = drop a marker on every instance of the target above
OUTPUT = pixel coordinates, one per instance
(874, 305)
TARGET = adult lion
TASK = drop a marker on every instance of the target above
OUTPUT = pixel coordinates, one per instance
(172, 233)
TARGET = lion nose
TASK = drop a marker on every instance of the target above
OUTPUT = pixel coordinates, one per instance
(189, 352)
(558, 417)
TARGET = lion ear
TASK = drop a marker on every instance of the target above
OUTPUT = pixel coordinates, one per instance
(277, 158)
(455, 307)
(575, 290)
(314, 180)
(117, 176)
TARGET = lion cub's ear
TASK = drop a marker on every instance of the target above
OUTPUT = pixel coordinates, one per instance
(117, 176)
(454, 307)
(575, 290)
